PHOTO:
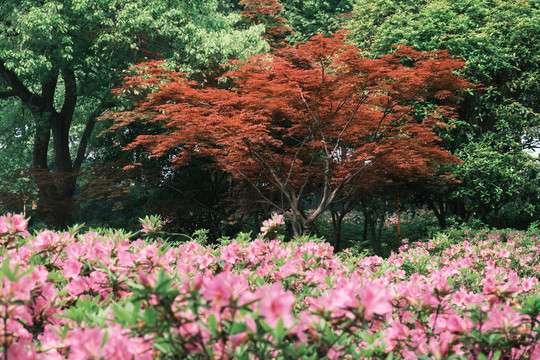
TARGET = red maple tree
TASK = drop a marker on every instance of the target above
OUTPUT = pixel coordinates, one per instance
(315, 119)
(266, 12)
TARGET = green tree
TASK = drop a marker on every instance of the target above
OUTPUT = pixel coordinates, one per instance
(500, 43)
(61, 59)
(310, 17)
(16, 191)
(490, 179)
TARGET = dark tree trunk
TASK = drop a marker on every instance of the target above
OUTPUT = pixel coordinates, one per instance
(56, 182)
(439, 212)
(337, 221)
(375, 240)
(56, 202)
(365, 232)
(373, 223)
(56, 186)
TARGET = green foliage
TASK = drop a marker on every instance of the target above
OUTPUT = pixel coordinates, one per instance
(500, 43)
(310, 17)
(62, 58)
(491, 178)
(17, 189)
(499, 40)
(103, 37)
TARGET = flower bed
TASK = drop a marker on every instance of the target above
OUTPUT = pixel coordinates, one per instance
(92, 296)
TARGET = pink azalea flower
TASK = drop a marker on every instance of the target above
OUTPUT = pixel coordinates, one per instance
(250, 323)
(276, 303)
(223, 288)
(439, 347)
(85, 344)
(21, 351)
(275, 221)
(457, 324)
(4, 225)
(232, 253)
(375, 300)
(121, 347)
(146, 226)
(18, 290)
(13, 224)
(46, 240)
(72, 268)
(238, 339)
(503, 319)
(535, 354)
(78, 286)
(50, 340)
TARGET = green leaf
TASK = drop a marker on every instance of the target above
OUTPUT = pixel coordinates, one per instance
(280, 332)
(150, 316)
(496, 355)
(127, 313)
(212, 325)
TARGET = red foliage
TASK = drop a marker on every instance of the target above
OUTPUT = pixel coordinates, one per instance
(266, 12)
(317, 118)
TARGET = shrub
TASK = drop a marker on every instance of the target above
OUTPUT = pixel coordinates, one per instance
(81, 296)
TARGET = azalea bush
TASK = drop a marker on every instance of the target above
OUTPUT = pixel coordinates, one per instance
(102, 295)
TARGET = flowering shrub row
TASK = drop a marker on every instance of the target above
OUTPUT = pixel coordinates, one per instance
(102, 296)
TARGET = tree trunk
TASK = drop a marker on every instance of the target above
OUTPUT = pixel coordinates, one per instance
(439, 212)
(337, 221)
(55, 188)
(56, 183)
(56, 202)
(375, 241)
(296, 223)
(365, 232)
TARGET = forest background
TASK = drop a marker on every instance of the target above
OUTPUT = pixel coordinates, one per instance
(61, 60)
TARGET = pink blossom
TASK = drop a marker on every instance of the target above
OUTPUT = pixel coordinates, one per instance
(276, 303)
(46, 240)
(457, 324)
(50, 340)
(503, 319)
(375, 300)
(85, 344)
(21, 351)
(72, 268)
(232, 253)
(272, 223)
(146, 226)
(439, 347)
(13, 224)
(122, 347)
(223, 288)
(18, 290)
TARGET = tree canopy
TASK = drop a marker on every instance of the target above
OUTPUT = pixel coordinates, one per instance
(499, 42)
(311, 119)
(61, 58)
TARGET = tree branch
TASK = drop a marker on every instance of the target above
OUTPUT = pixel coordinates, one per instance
(7, 94)
(48, 90)
(33, 101)
(70, 93)
(90, 123)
